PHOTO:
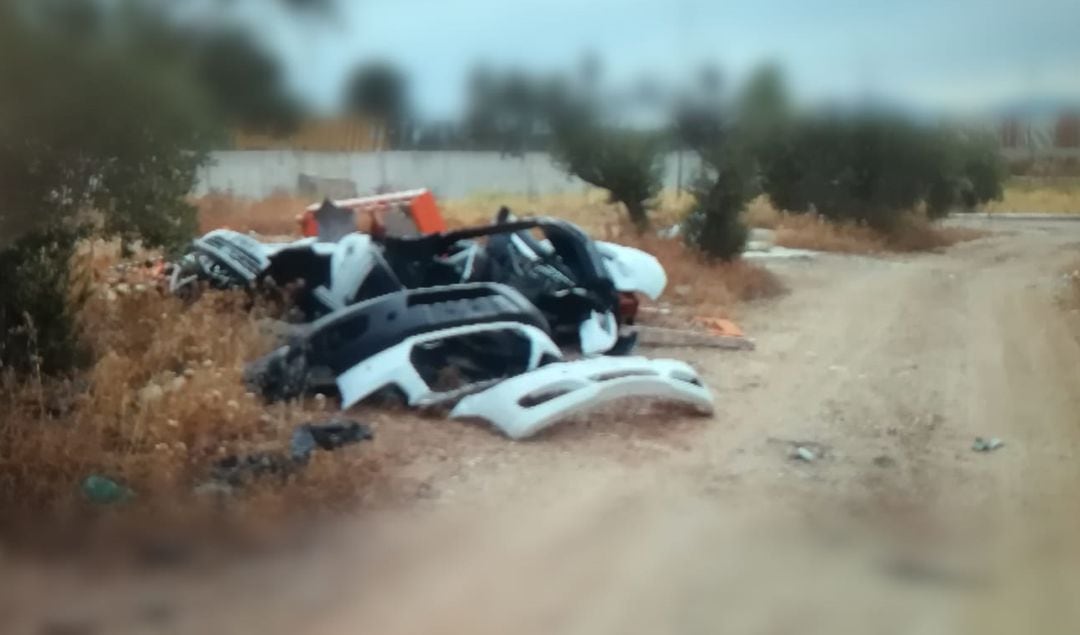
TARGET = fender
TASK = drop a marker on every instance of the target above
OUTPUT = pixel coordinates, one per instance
(480, 330)
(633, 270)
(397, 367)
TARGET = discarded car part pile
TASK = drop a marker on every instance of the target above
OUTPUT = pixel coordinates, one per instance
(480, 316)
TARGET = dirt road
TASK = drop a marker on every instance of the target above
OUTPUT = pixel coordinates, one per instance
(885, 369)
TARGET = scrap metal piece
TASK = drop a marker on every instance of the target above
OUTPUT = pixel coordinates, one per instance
(354, 261)
(663, 336)
(344, 338)
(333, 222)
(633, 270)
(598, 334)
(524, 405)
(396, 366)
(222, 257)
(407, 339)
(565, 275)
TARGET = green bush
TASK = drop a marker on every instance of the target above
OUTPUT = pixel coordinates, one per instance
(725, 183)
(93, 137)
(714, 225)
(39, 303)
(873, 167)
(626, 163)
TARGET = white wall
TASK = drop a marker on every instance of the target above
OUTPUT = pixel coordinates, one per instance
(450, 174)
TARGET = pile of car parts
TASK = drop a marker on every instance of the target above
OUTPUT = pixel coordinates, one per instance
(483, 317)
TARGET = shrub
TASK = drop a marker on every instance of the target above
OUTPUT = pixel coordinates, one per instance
(863, 169)
(39, 303)
(714, 225)
(873, 167)
(92, 137)
(983, 168)
(626, 163)
(724, 185)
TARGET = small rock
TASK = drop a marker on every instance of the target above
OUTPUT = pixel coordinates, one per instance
(123, 288)
(987, 445)
(176, 384)
(884, 461)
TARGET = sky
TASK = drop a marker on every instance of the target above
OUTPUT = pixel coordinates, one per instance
(959, 56)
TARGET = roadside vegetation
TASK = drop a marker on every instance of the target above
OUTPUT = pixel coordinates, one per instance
(160, 403)
(106, 113)
(1039, 195)
(914, 231)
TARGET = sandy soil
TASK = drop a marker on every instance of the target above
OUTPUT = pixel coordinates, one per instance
(646, 521)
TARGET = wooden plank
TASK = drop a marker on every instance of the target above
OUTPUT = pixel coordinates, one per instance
(661, 336)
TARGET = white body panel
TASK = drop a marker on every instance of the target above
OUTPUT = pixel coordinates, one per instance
(393, 367)
(352, 260)
(522, 406)
(633, 270)
(598, 333)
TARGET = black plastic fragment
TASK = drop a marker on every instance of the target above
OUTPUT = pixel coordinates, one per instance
(236, 470)
(347, 337)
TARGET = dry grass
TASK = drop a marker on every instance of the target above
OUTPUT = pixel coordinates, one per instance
(1050, 195)
(163, 401)
(914, 232)
(807, 231)
(277, 215)
(272, 216)
(711, 287)
(589, 209)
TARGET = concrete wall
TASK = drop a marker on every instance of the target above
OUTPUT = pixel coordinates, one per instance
(450, 174)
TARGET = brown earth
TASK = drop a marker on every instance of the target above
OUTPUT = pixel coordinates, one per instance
(885, 369)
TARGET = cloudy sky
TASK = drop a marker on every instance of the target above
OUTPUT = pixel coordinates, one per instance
(949, 55)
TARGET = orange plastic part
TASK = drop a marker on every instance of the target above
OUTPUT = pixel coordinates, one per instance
(720, 326)
(308, 225)
(421, 205)
(426, 215)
